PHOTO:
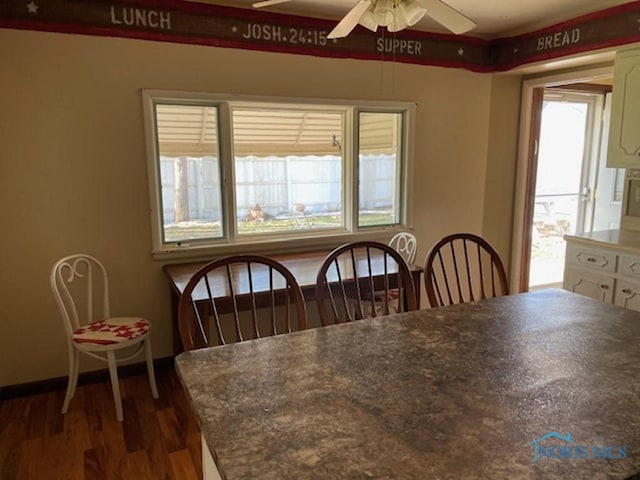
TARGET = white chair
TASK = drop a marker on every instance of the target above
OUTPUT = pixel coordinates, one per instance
(81, 289)
(346, 282)
(405, 244)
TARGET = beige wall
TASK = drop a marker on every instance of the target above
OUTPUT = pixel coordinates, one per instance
(73, 169)
(501, 167)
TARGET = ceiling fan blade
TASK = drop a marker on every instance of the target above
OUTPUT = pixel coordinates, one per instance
(448, 16)
(267, 3)
(350, 20)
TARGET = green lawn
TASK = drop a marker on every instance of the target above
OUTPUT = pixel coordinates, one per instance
(203, 229)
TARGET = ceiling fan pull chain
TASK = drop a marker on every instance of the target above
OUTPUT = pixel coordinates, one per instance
(382, 66)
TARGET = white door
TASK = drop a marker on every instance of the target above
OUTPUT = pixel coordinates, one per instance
(567, 171)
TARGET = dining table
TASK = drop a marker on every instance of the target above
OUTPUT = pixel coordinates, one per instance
(538, 385)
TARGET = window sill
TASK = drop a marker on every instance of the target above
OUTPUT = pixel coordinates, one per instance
(266, 247)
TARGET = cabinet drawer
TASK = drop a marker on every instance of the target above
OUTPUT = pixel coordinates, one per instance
(591, 258)
(627, 294)
(629, 266)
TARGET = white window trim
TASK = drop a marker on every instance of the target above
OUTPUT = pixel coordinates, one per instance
(291, 242)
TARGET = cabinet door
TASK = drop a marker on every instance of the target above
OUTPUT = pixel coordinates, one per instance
(624, 141)
(589, 284)
(627, 295)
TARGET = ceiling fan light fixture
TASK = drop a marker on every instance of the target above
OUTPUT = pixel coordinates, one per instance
(399, 22)
(412, 11)
(384, 12)
(368, 21)
(396, 15)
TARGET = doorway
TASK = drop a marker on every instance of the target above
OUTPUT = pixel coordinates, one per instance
(563, 185)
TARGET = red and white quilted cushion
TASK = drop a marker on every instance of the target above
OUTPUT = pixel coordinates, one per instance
(392, 295)
(112, 330)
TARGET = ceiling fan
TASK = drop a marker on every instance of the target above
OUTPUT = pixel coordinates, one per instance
(393, 14)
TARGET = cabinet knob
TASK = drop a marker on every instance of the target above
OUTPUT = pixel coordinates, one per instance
(591, 260)
(627, 291)
(604, 286)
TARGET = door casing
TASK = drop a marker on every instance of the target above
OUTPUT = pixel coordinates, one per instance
(532, 90)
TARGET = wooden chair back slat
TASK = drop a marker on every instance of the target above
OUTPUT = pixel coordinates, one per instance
(208, 309)
(465, 267)
(250, 295)
(343, 299)
(272, 310)
(355, 281)
(456, 270)
(480, 268)
(468, 270)
(358, 296)
(199, 336)
(236, 313)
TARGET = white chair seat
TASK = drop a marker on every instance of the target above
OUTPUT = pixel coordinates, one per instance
(112, 331)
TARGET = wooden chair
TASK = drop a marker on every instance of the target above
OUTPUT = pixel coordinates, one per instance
(247, 296)
(463, 268)
(81, 289)
(355, 282)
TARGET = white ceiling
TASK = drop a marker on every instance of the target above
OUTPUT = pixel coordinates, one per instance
(495, 18)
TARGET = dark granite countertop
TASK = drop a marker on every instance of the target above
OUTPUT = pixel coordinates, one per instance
(459, 392)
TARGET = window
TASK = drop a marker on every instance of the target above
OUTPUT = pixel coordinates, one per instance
(379, 168)
(618, 186)
(229, 170)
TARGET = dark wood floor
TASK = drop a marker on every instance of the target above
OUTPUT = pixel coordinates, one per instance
(158, 439)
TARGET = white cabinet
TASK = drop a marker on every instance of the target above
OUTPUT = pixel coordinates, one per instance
(624, 141)
(608, 272)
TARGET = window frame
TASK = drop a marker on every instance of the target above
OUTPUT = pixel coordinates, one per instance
(402, 166)
(231, 242)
